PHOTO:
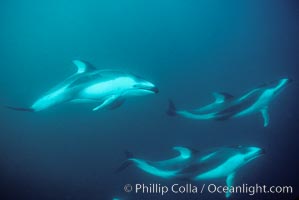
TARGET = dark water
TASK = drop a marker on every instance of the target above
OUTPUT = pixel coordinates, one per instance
(189, 49)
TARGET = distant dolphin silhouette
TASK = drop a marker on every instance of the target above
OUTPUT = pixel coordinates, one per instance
(227, 106)
(219, 163)
(107, 88)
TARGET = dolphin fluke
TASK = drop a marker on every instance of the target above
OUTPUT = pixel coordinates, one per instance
(20, 109)
(171, 108)
(126, 163)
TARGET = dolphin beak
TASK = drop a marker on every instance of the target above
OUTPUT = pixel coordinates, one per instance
(256, 154)
(155, 90)
(263, 152)
(150, 88)
(290, 80)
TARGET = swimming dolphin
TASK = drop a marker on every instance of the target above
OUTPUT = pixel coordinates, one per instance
(222, 163)
(216, 164)
(106, 88)
(227, 106)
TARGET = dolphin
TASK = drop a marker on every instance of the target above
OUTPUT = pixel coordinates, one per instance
(222, 163)
(214, 164)
(106, 88)
(227, 106)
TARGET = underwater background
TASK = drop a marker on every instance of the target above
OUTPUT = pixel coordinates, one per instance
(189, 49)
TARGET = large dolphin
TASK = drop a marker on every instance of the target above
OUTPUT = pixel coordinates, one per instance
(105, 88)
(227, 106)
(216, 164)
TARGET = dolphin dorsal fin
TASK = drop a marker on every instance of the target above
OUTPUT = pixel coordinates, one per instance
(221, 97)
(83, 66)
(184, 152)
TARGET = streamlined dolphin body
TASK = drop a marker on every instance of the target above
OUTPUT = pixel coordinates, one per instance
(222, 163)
(216, 164)
(106, 88)
(227, 106)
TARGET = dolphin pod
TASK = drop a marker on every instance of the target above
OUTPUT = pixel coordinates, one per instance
(105, 88)
(108, 89)
(227, 106)
(220, 163)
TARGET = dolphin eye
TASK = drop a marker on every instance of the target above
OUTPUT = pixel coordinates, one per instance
(137, 86)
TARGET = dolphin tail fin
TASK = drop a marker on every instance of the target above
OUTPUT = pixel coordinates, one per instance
(126, 163)
(171, 108)
(20, 109)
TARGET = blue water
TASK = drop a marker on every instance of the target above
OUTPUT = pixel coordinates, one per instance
(189, 49)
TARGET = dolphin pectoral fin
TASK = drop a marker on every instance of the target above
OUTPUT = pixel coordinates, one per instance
(221, 97)
(112, 102)
(229, 183)
(83, 66)
(98, 107)
(266, 117)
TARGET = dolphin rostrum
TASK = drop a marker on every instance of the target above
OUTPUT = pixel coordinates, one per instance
(216, 164)
(227, 106)
(106, 88)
